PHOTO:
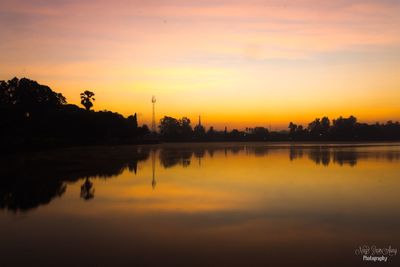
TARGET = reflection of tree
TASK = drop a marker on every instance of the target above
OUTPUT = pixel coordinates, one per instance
(170, 157)
(211, 151)
(173, 156)
(34, 179)
(320, 156)
(20, 193)
(345, 157)
(340, 155)
(258, 150)
(295, 152)
(87, 190)
(28, 181)
(199, 152)
(132, 166)
(236, 149)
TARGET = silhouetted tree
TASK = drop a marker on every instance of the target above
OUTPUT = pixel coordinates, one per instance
(297, 132)
(325, 126)
(175, 130)
(235, 134)
(211, 134)
(319, 128)
(144, 130)
(133, 120)
(186, 129)
(211, 131)
(86, 99)
(292, 130)
(344, 128)
(169, 128)
(34, 116)
(258, 134)
(315, 128)
(28, 94)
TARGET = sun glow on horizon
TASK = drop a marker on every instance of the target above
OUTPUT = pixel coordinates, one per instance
(236, 63)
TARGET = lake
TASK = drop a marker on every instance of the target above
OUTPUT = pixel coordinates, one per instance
(222, 204)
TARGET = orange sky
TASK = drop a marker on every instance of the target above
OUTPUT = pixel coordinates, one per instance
(237, 63)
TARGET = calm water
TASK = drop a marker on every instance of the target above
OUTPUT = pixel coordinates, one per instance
(200, 205)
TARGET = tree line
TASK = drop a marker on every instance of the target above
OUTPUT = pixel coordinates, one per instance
(344, 129)
(34, 116)
(172, 129)
(340, 129)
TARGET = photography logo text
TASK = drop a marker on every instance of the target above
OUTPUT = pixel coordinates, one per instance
(376, 254)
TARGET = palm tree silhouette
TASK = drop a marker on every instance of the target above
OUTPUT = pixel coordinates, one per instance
(86, 99)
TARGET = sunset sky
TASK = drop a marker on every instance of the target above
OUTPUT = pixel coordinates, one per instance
(236, 62)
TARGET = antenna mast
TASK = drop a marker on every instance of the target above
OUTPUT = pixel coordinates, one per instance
(153, 122)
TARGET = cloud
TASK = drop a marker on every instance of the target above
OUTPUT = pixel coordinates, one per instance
(294, 28)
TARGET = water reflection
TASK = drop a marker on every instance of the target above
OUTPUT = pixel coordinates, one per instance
(87, 190)
(170, 157)
(35, 179)
(342, 155)
(199, 205)
(24, 193)
(153, 168)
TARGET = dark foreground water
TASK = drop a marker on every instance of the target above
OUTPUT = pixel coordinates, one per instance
(201, 205)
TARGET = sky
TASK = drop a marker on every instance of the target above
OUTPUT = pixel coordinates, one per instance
(237, 63)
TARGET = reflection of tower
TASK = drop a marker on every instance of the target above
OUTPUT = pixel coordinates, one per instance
(153, 165)
(153, 122)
